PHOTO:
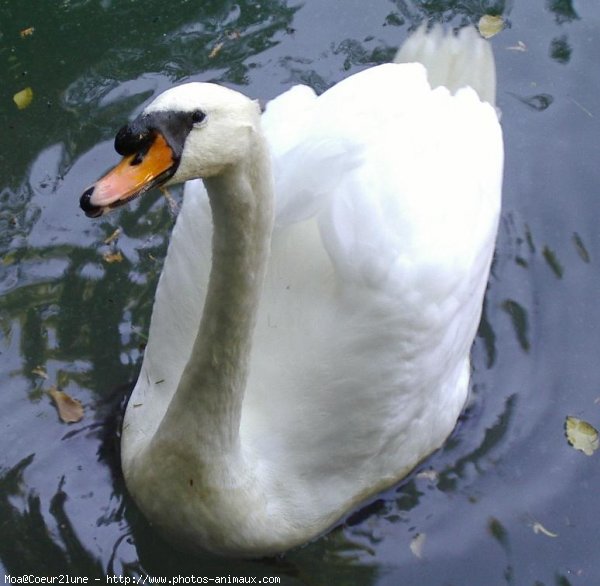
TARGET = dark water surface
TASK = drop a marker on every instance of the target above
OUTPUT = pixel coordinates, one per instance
(69, 314)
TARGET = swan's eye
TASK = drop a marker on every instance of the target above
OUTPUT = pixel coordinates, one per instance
(198, 116)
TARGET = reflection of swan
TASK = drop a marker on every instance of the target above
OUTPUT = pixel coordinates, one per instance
(255, 426)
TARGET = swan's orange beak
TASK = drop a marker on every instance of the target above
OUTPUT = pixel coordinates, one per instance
(134, 175)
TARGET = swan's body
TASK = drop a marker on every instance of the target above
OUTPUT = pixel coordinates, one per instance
(322, 359)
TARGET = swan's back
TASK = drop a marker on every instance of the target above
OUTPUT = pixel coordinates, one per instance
(387, 203)
(388, 198)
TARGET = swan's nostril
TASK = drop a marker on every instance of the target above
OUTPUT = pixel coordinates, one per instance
(91, 211)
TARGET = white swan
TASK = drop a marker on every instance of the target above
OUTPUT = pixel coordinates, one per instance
(315, 363)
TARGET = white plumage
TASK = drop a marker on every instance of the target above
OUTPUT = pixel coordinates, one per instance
(387, 196)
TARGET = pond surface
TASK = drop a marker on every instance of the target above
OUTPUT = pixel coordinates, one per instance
(506, 501)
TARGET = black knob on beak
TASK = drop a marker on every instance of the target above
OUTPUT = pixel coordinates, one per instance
(91, 211)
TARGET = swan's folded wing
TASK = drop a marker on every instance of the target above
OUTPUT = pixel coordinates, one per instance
(309, 157)
(422, 210)
(405, 180)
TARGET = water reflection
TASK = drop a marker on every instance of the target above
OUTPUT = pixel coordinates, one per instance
(66, 312)
(560, 49)
(563, 10)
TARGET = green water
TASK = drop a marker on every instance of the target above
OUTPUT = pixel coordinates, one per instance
(70, 318)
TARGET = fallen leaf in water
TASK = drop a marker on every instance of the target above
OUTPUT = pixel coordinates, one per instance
(69, 410)
(113, 236)
(581, 435)
(490, 25)
(9, 259)
(39, 371)
(215, 50)
(417, 543)
(27, 32)
(539, 528)
(111, 257)
(23, 98)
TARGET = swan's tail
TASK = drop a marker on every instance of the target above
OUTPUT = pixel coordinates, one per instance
(453, 61)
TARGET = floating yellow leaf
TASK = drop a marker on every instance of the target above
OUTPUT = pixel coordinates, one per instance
(69, 410)
(417, 543)
(23, 98)
(27, 32)
(9, 259)
(113, 236)
(490, 25)
(581, 435)
(111, 257)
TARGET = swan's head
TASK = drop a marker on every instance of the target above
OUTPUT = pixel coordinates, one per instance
(190, 131)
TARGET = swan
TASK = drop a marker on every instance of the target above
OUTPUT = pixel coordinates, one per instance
(310, 337)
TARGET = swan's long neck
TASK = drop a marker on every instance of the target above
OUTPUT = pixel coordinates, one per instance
(208, 400)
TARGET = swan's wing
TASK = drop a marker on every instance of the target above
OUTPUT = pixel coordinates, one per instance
(371, 307)
(308, 159)
(399, 175)
(426, 199)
